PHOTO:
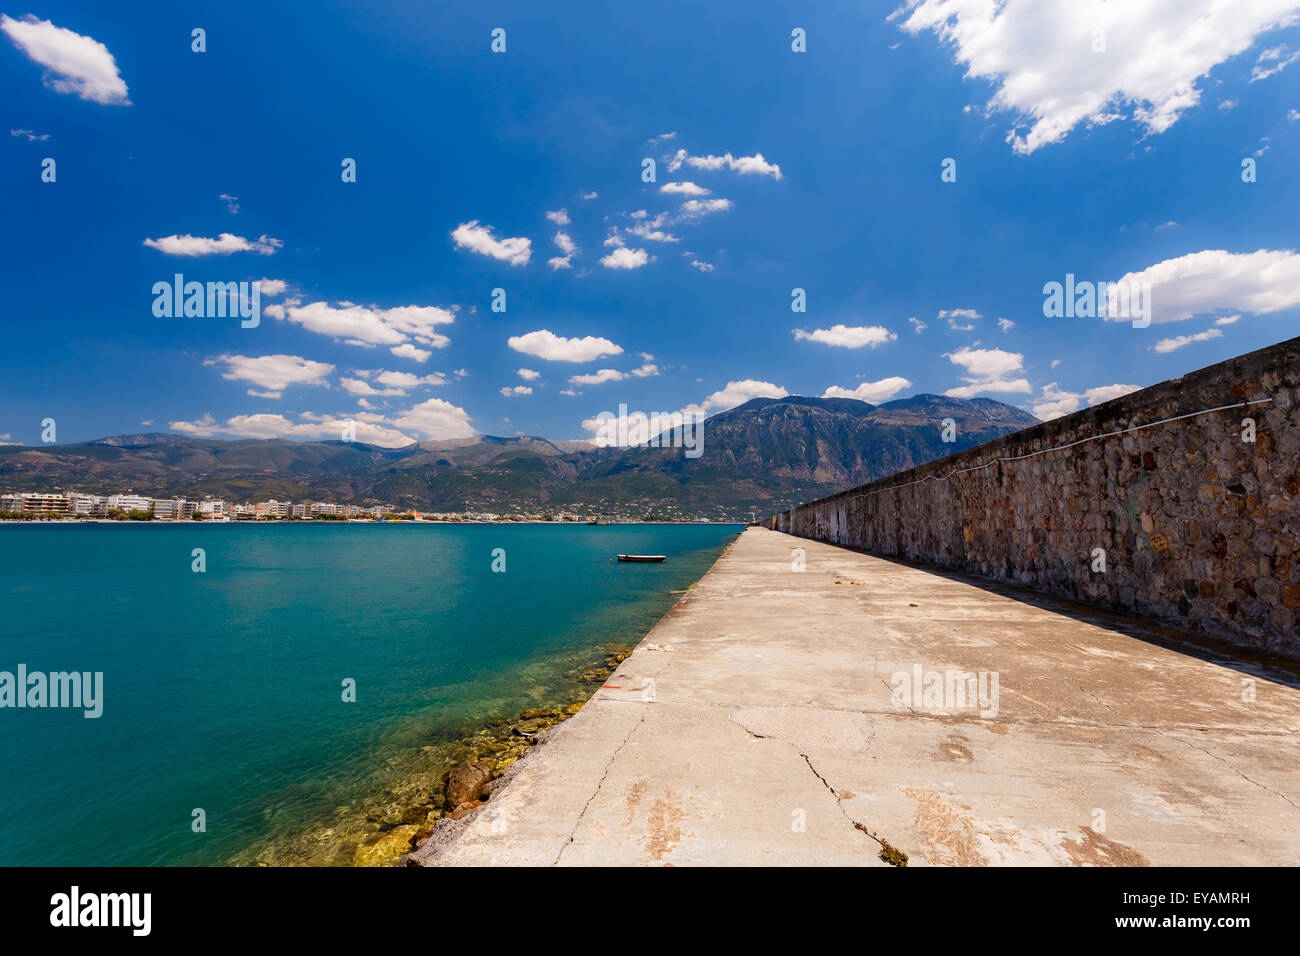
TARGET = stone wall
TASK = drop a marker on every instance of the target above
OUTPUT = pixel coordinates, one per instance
(1196, 524)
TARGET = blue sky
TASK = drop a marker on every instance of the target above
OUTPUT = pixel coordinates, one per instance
(818, 170)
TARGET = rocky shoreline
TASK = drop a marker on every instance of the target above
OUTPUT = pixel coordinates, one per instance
(450, 780)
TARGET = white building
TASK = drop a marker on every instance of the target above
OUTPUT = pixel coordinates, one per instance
(130, 502)
(89, 506)
(164, 508)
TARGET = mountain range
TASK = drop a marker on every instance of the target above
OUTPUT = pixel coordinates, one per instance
(764, 455)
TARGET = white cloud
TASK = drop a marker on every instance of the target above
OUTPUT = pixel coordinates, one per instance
(738, 393)
(652, 228)
(745, 165)
(470, 235)
(987, 371)
(955, 315)
(73, 63)
(1055, 402)
(987, 363)
(361, 325)
(272, 373)
(394, 383)
(846, 336)
(223, 245)
(527, 374)
(591, 195)
(357, 386)
(614, 375)
(433, 419)
(1271, 61)
(1214, 280)
(998, 385)
(269, 288)
(1178, 341)
(873, 392)
(559, 216)
(702, 265)
(696, 208)
(917, 325)
(1040, 57)
(1106, 393)
(512, 390)
(1227, 320)
(545, 344)
(407, 350)
(598, 377)
(624, 258)
(567, 246)
(1293, 115)
(649, 229)
(1006, 325)
(1229, 104)
(684, 189)
(317, 428)
(42, 137)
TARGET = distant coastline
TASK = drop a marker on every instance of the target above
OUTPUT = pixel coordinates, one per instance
(128, 506)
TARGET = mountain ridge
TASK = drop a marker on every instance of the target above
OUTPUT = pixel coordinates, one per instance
(763, 455)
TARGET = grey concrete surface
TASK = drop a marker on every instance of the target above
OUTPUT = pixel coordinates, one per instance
(761, 723)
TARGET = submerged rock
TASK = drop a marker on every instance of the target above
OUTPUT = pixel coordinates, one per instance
(535, 712)
(388, 849)
(464, 809)
(465, 782)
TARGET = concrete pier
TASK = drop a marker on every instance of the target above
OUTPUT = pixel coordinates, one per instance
(766, 721)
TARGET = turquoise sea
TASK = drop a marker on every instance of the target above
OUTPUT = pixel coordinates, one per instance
(223, 689)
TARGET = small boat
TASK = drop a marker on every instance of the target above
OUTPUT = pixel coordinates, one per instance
(645, 558)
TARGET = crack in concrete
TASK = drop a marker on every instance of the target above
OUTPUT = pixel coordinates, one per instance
(914, 713)
(839, 803)
(601, 783)
(1234, 769)
(609, 766)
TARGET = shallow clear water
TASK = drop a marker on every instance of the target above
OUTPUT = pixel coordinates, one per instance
(223, 689)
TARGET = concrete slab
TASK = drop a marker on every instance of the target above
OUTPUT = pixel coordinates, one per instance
(768, 719)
